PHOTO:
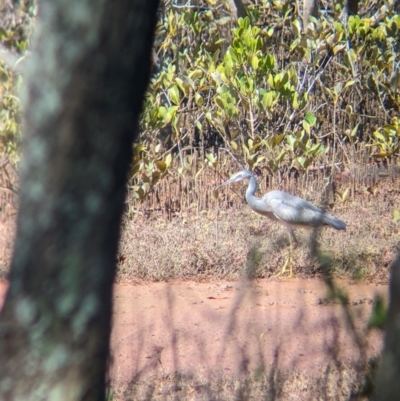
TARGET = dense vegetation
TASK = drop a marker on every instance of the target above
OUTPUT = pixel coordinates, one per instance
(262, 90)
(259, 92)
(271, 94)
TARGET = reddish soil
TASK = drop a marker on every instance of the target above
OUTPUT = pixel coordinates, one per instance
(232, 327)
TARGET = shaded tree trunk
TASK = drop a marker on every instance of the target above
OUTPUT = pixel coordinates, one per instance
(237, 8)
(388, 383)
(352, 7)
(86, 78)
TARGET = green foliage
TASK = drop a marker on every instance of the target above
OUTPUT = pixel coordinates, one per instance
(386, 140)
(10, 127)
(231, 93)
(378, 314)
(241, 87)
(272, 93)
(14, 35)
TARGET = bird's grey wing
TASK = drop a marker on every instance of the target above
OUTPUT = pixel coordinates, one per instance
(296, 212)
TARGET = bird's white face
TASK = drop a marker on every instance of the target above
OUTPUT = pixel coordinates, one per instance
(241, 175)
(237, 177)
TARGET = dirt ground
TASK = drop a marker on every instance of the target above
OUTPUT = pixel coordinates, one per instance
(233, 327)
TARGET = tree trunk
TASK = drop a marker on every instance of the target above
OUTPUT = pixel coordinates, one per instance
(352, 7)
(309, 9)
(86, 78)
(237, 8)
(388, 383)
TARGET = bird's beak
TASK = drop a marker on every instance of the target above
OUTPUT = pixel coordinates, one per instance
(223, 184)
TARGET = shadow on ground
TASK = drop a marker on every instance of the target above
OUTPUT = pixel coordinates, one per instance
(207, 341)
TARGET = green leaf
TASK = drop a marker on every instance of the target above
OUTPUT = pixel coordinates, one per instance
(316, 149)
(260, 159)
(161, 165)
(381, 154)
(173, 93)
(168, 159)
(167, 118)
(338, 48)
(277, 139)
(291, 141)
(210, 157)
(349, 83)
(198, 99)
(295, 101)
(219, 102)
(281, 155)
(304, 161)
(270, 62)
(380, 136)
(254, 62)
(297, 27)
(390, 129)
(306, 126)
(155, 178)
(162, 111)
(294, 44)
(354, 131)
(310, 118)
(196, 74)
(270, 32)
(181, 85)
(268, 100)
(270, 81)
(378, 314)
(246, 150)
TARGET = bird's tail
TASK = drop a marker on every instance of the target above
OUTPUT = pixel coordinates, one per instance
(334, 222)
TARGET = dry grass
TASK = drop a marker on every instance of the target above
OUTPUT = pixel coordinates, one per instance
(181, 232)
(337, 382)
(236, 243)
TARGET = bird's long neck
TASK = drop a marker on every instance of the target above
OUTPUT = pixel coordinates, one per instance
(251, 190)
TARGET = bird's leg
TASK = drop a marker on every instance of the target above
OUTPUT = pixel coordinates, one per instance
(293, 245)
(293, 239)
(289, 260)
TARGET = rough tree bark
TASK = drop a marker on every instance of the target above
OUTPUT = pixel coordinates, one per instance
(85, 82)
(388, 383)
